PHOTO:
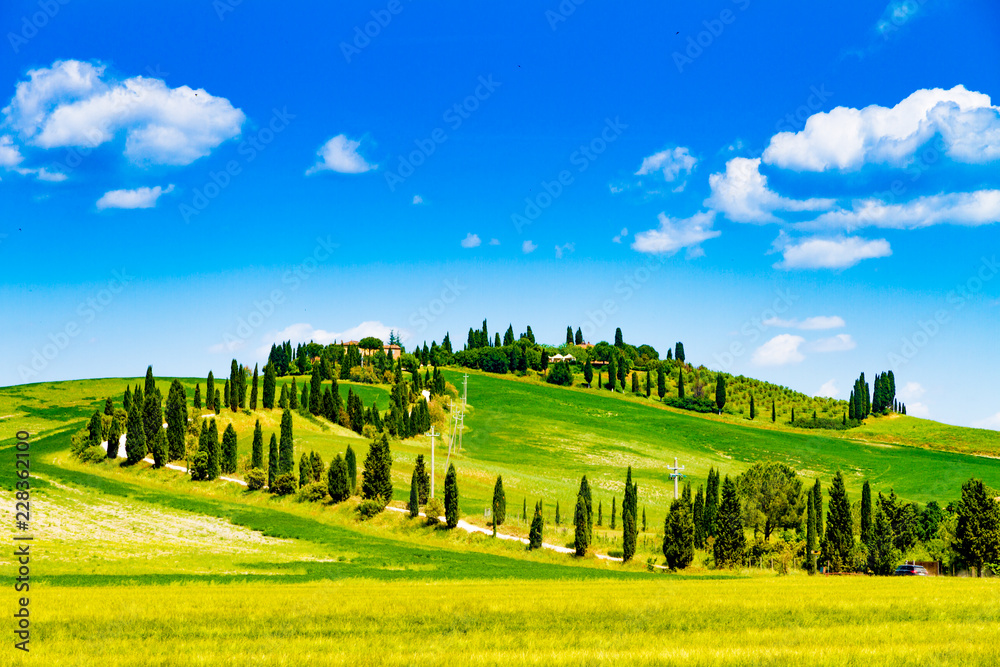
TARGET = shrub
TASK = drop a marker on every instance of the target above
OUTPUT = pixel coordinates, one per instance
(434, 510)
(369, 431)
(370, 507)
(256, 479)
(199, 466)
(93, 454)
(285, 484)
(560, 374)
(314, 492)
(704, 405)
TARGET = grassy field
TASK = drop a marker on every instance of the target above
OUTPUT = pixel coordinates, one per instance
(140, 566)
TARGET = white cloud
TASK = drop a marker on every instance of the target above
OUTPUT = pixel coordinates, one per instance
(417, 199)
(918, 410)
(911, 391)
(566, 247)
(341, 154)
(896, 14)
(304, 332)
(43, 174)
(741, 193)
(671, 163)
(837, 253)
(494, 241)
(74, 103)
(808, 324)
(676, 233)
(992, 422)
(780, 350)
(838, 343)
(846, 138)
(10, 155)
(138, 198)
(622, 234)
(471, 241)
(970, 209)
(829, 389)
(528, 247)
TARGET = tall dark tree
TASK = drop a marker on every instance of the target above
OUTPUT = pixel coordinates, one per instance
(817, 492)
(351, 461)
(720, 392)
(152, 416)
(649, 382)
(680, 381)
(578, 338)
(150, 386)
(376, 479)
(753, 411)
(629, 528)
(678, 535)
(176, 418)
(197, 397)
(588, 372)
(774, 411)
(679, 353)
(234, 386)
(94, 430)
(228, 463)
(619, 341)
(315, 391)
(337, 483)
(214, 450)
(159, 449)
(810, 534)
(210, 391)
(589, 503)
(272, 460)
(698, 516)
(414, 504)
(580, 532)
(535, 533)
(127, 399)
(253, 389)
(115, 436)
(257, 450)
(612, 373)
(293, 396)
(451, 497)
(424, 481)
(839, 540)
(977, 537)
(882, 553)
(614, 511)
(661, 382)
(286, 445)
(730, 542)
(109, 407)
(569, 335)
(711, 503)
(305, 470)
(270, 381)
(866, 513)
(499, 502)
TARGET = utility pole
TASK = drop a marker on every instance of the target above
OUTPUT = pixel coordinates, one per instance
(433, 435)
(675, 474)
(465, 398)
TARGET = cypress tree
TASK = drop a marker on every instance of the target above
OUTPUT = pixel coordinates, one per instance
(882, 553)
(614, 511)
(135, 440)
(176, 418)
(711, 503)
(228, 463)
(317, 466)
(661, 382)
(315, 391)
(109, 407)
(649, 382)
(227, 396)
(499, 502)
(644, 518)
(115, 436)
(159, 449)
(451, 497)
(678, 535)
(635, 383)
(698, 516)
(839, 540)
(753, 413)
(270, 380)
(257, 451)
(127, 399)
(581, 539)
(272, 460)
(214, 453)
(305, 470)
(283, 399)
(376, 479)
(612, 373)
(629, 528)
(589, 503)
(253, 389)
(94, 430)
(680, 381)
(793, 417)
(600, 514)
(730, 542)
(679, 352)
(233, 397)
(217, 402)
(337, 482)
(351, 461)
(535, 534)
(305, 400)
(977, 536)
(720, 392)
(293, 396)
(424, 481)
(774, 411)
(817, 491)
(150, 387)
(138, 399)
(557, 513)
(197, 397)
(152, 416)
(578, 338)
(569, 335)
(286, 445)
(866, 513)
(588, 372)
(524, 510)
(414, 505)
(810, 533)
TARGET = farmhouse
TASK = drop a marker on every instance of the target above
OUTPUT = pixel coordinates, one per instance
(386, 349)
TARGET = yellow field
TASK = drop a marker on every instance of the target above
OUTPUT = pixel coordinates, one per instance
(666, 620)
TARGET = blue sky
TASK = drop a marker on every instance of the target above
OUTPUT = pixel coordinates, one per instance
(796, 193)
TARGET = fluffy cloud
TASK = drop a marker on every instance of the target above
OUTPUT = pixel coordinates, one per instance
(971, 209)
(74, 103)
(341, 154)
(565, 248)
(671, 163)
(779, 351)
(846, 138)
(676, 233)
(742, 194)
(417, 199)
(494, 241)
(471, 241)
(10, 156)
(622, 234)
(992, 422)
(303, 331)
(911, 391)
(836, 253)
(808, 324)
(838, 343)
(528, 247)
(138, 198)
(829, 389)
